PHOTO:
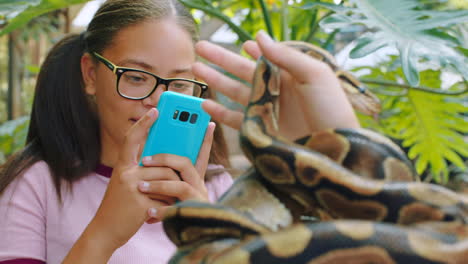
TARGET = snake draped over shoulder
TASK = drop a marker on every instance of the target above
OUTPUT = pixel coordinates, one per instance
(336, 196)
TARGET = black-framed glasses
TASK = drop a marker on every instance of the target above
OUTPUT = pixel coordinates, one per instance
(138, 84)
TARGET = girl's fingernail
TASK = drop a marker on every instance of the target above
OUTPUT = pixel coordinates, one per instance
(152, 212)
(151, 113)
(263, 36)
(144, 186)
(147, 159)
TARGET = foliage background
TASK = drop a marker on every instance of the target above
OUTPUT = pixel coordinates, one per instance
(428, 39)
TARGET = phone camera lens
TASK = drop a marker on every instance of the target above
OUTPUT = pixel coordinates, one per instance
(184, 116)
(193, 118)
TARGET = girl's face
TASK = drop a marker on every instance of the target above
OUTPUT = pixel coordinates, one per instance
(158, 46)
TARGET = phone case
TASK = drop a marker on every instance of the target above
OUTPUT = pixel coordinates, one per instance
(180, 127)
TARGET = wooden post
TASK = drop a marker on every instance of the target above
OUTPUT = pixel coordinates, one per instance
(14, 79)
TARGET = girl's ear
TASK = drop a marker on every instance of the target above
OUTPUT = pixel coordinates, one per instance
(88, 70)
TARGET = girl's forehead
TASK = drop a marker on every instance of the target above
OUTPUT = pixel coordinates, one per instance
(162, 47)
(153, 36)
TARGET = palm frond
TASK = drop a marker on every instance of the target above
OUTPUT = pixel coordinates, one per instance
(430, 126)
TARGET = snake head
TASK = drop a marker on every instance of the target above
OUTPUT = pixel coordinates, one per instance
(361, 98)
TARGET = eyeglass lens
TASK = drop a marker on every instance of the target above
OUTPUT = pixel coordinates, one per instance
(139, 84)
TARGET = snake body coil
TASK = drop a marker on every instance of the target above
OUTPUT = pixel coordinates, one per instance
(336, 196)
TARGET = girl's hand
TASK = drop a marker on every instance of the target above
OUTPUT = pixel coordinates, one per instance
(311, 96)
(178, 178)
(123, 209)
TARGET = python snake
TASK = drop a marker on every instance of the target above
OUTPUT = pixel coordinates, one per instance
(336, 196)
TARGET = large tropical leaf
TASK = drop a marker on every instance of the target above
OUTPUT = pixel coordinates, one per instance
(10, 8)
(16, 14)
(416, 33)
(430, 126)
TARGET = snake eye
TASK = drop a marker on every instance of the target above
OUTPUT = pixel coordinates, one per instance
(344, 76)
(361, 89)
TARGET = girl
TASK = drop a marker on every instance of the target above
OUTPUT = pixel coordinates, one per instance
(76, 193)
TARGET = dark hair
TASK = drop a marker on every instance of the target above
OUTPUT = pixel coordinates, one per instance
(64, 126)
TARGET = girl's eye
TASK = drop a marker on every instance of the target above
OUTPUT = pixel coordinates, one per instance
(136, 77)
(179, 85)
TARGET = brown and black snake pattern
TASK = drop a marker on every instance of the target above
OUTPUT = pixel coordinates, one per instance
(337, 196)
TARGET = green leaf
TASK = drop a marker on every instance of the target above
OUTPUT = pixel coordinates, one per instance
(10, 8)
(212, 10)
(437, 19)
(333, 7)
(432, 126)
(367, 44)
(13, 135)
(455, 159)
(33, 68)
(408, 63)
(267, 19)
(413, 31)
(8, 128)
(28, 10)
(443, 35)
(336, 21)
(463, 50)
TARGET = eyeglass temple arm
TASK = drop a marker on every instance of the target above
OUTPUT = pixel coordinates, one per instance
(106, 62)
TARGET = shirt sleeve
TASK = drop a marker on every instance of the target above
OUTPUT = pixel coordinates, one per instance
(22, 221)
(218, 184)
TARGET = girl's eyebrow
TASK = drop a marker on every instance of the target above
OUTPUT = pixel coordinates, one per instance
(148, 67)
(182, 70)
(133, 62)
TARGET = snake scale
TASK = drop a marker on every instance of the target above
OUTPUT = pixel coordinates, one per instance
(336, 196)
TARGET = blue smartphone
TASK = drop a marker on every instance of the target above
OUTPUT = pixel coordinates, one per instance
(180, 127)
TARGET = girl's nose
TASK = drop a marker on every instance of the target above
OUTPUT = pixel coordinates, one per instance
(153, 99)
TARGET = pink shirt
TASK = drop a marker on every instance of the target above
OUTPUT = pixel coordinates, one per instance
(34, 225)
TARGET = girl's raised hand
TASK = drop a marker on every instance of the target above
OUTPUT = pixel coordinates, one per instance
(327, 107)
